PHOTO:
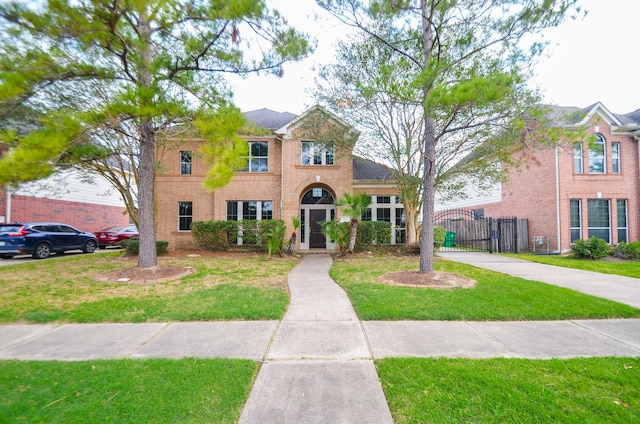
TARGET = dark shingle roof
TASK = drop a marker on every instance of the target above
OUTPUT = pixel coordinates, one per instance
(269, 119)
(364, 169)
(633, 116)
(561, 115)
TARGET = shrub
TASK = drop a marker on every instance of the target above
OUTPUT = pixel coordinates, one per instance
(593, 247)
(250, 232)
(629, 251)
(373, 232)
(273, 235)
(438, 236)
(133, 246)
(339, 233)
(214, 235)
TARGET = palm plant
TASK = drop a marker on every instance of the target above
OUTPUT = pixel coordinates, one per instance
(354, 206)
(291, 247)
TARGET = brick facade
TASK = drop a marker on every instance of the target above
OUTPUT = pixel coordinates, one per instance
(88, 217)
(542, 190)
(284, 184)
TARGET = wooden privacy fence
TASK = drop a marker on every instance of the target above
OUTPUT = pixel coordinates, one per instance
(465, 231)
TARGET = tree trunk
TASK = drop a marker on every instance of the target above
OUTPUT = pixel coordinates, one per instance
(427, 251)
(411, 229)
(352, 235)
(291, 247)
(147, 254)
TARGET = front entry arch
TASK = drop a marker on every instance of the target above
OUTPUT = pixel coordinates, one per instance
(316, 206)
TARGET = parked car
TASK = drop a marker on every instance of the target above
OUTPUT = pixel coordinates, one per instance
(40, 239)
(111, 236)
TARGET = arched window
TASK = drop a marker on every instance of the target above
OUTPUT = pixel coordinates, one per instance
(317, 196)
(597, 162)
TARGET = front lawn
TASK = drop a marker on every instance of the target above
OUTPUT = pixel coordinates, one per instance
(225, 286)
(496, 296)
(125, 391)
(608, 265)
(443, 390)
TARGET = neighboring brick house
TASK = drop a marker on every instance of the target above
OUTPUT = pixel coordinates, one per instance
(287, 175)
(67, 198)
(575, 190)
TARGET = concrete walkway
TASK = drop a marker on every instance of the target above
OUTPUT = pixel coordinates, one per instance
(319, 368)
(613, 287)
(317, 362)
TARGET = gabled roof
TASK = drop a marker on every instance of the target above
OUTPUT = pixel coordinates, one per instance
(578, 117)
(288, 127)
(367, 170)
(269, 119)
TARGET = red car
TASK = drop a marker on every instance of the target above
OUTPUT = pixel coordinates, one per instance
(111, 236)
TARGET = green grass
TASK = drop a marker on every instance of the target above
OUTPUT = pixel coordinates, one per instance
(224, 287)
(584, 390)
(495, 297)
(607, 265)
(125, 391)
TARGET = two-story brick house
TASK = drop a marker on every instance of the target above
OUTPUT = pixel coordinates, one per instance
(286, 175)
(575, 190)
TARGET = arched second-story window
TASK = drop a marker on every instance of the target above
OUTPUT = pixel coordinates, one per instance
(597, 155)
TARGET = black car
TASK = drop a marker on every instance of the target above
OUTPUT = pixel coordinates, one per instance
(40, 239)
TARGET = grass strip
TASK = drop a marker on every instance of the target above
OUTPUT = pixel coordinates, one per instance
(445, 390)
(496, 296)
(125, 391)
(607, 265)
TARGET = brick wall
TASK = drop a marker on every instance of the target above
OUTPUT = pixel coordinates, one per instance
(84, 216)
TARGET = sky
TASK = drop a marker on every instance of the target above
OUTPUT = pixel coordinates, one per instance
(589, 60)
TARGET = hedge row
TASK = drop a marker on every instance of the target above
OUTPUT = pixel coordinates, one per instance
(220, 235)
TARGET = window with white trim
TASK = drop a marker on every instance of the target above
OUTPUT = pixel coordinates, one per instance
(578, 158)
(615, 158)
(623, 229)
(389, 209)
(599, 219)
(258, 158)
(238, 210)
(575, 211)
(185, 216)
(185, 162)
(313, 153)
(597, 156)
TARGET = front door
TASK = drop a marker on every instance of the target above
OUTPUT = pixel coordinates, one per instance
(316, 238)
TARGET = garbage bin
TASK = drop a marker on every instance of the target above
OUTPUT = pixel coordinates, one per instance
(449, 239)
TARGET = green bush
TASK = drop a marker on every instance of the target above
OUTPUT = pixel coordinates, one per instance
(220, 235)
(337, 232)
(593, 248)
(373, 232)
(273, 233)
(629, 251)
(132, 246)
(438, 236)
(250, 231)
(215, 235)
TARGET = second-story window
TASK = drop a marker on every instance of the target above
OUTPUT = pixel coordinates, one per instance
(615, 158)
(597, 156)
(258, 159)
(577, 158)
(316, 153)
(185, 162)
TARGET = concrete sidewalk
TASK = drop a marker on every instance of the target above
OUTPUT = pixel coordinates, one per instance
(613, 287)
(318, 361)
